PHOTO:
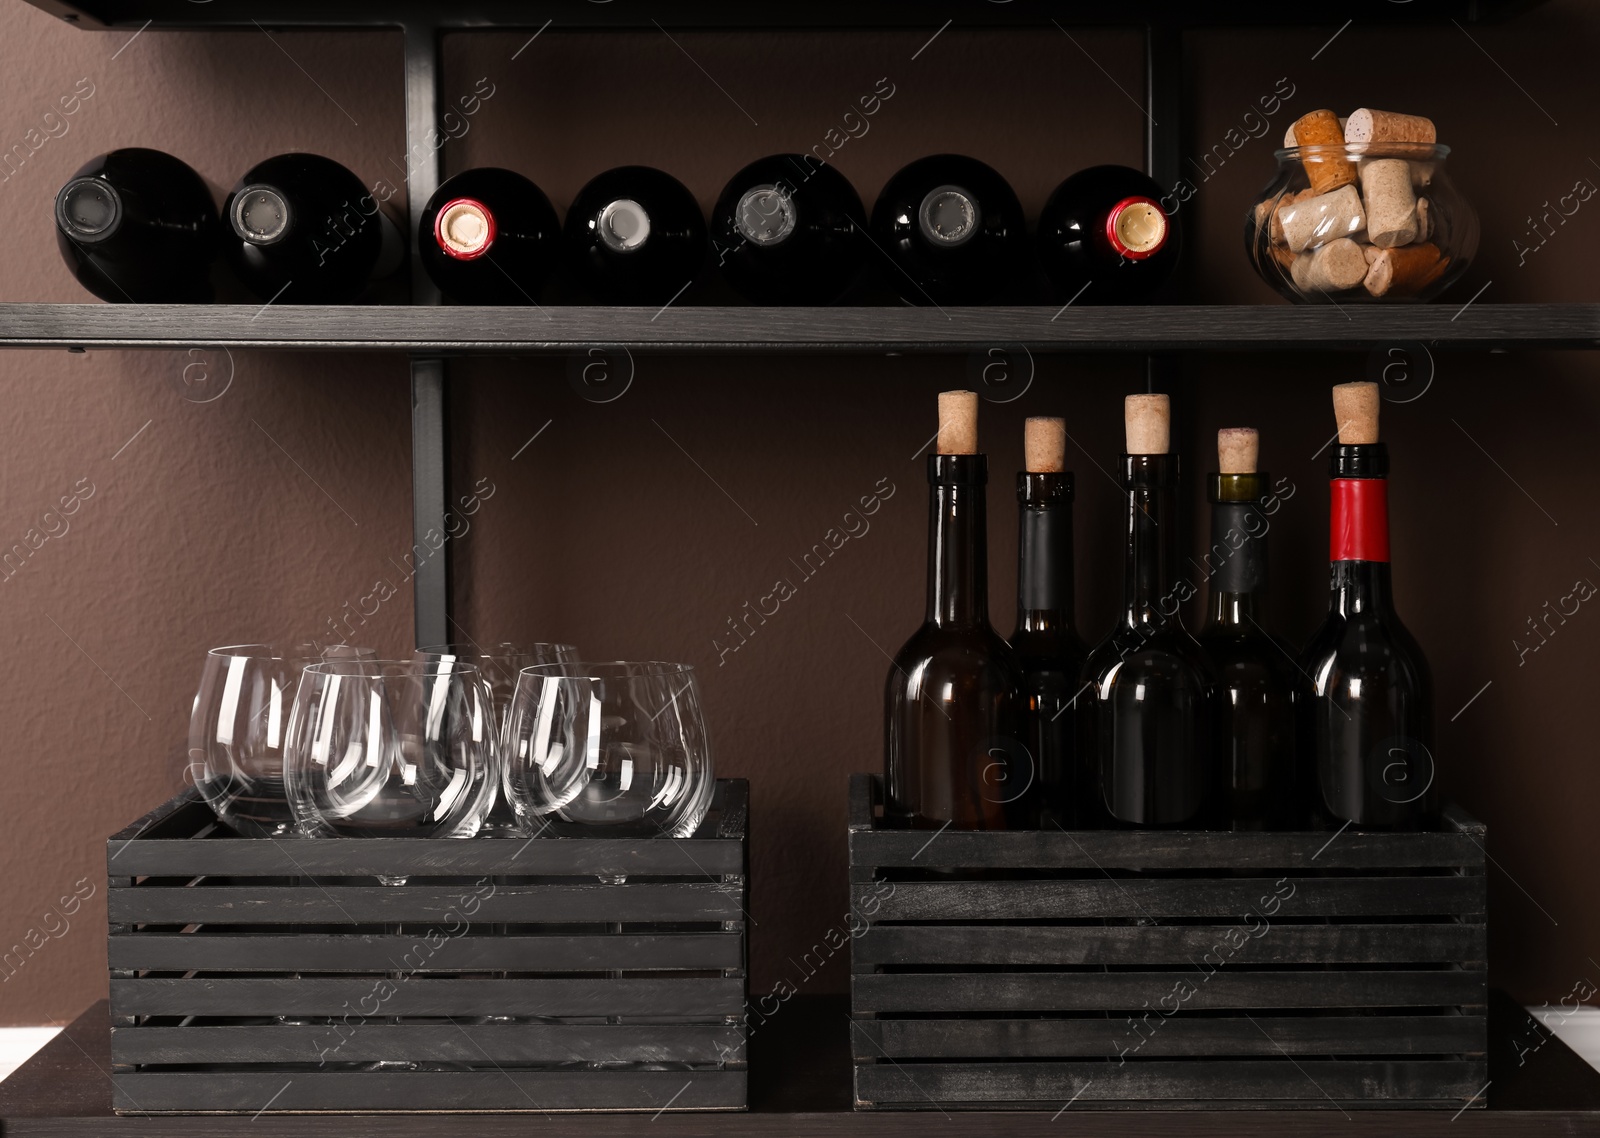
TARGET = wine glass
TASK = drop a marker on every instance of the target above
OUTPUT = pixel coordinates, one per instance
(500, 664)
(236, 730)
(390, 748)
(618, 746)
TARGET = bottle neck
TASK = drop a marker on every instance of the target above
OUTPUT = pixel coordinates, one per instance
(1237, 558)
(1044, 553)
(958, 548)
(1360, 587)
(1150, 566)
(1358, 531)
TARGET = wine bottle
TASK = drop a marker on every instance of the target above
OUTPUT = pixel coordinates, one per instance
(138, 226)
(1371, 709)
(1105, 238)
(1049, 650)
(1147, 728)
(489, 236)
(953, 753)
(785, 231)
(952, 228)
(1256, 767)
(635, 235)
(304, 230)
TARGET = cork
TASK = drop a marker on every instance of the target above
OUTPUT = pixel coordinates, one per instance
(1368, 125)
(1330, 268)
(1355, 406)
(1044, 445)
(958, 422)
(1424, 219)
(1325, 164)
(1323, 218)
(1406, 270)
(1237, 448)
(1289, 138)
(1147, 420)
(1287, 202)
(1391, 206)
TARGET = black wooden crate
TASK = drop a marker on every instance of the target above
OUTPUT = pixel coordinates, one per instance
(1121, 969)
(506, 974)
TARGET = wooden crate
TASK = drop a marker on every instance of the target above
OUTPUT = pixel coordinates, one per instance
(279, 974)
(1162, 969)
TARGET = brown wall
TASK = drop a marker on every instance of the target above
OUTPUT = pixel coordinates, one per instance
(263, 512)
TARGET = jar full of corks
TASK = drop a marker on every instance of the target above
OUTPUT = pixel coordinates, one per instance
(1362, 209)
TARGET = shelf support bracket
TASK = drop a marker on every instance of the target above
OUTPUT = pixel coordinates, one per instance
(430, 451)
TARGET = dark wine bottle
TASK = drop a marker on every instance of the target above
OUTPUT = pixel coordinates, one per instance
(1049, 650)
(489, 236)
(1371, 705)
(635, 235)
(952, 228)
(1105, 238)
(304, 230)
(953, 754)
(786, 231)
(139, 226)
(1256, 764)
(1147, 728)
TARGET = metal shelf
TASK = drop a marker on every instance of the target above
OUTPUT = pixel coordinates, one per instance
(430, 330)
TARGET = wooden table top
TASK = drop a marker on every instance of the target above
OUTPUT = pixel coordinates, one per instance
(800, 1086)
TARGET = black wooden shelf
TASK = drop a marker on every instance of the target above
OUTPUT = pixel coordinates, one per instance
(622, 14)
(460, 330)
(800, 1087)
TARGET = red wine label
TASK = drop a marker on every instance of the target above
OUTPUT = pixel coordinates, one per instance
(1359, 529)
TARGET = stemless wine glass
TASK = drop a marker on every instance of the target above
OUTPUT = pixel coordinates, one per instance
(620, 746)
(390, 748)
(500, 665)
(236, 730)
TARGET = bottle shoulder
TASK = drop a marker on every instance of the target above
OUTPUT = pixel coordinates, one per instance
(1364, 644)
(1163, 651)
(934, 652)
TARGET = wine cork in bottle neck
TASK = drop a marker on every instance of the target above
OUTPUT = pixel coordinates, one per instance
(1044, 444)
(1147, 420)
(1238, 449)
(1355, 407)
(958, 422)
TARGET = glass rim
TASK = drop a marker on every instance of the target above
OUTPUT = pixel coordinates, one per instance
(608, 669)
(477, 651)
(1420, 150)
(269, 650)
(361, 668)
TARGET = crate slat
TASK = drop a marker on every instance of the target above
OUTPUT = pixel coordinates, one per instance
(314, 857)
(1179, 1035)
(307, 952)
(500, 1091)
(466, 1042)
(1143, 991)
(1158, 850)
(1129, 898)
(1333, 1084)
(1269, 943)
(423, 904)
(677, 996)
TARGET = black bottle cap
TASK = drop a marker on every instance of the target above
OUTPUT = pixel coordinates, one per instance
(1036, 488)
(958, 469)
(260, 215)
(88, 210)
(1359, 460)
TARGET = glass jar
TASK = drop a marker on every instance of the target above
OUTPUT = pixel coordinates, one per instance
(1374, 222)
